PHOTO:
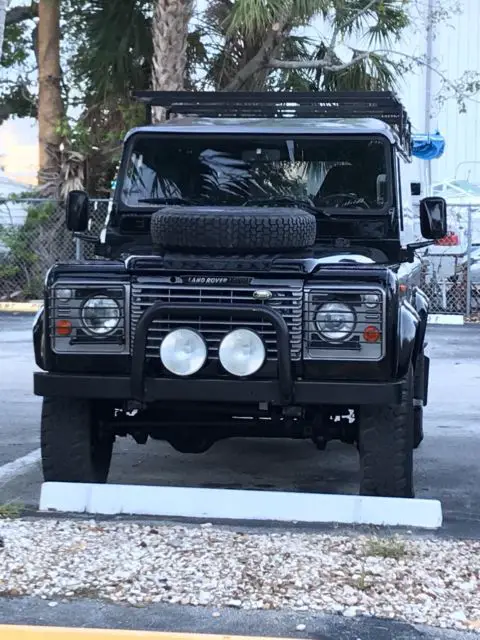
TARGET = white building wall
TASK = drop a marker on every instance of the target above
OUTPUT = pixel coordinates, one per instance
(455, 50)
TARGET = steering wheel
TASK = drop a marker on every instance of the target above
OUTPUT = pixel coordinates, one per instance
(345, 198)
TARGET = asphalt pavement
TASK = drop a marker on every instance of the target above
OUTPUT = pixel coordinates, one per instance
(446, 467)
(231, 622)
(446, 464)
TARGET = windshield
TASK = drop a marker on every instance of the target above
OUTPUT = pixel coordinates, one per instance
(334, 172)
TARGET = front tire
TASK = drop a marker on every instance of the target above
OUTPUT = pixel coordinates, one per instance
(386, 447)
(418, 433)
(419, 392)
(73, 449)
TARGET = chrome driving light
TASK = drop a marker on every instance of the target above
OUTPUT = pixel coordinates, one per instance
(100, 316)
(242, 352)
(335, 321)
(183, 352)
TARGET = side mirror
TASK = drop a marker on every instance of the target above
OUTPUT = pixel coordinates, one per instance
(77, 211)
(433, 218)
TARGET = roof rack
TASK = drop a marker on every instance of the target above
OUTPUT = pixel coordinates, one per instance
(383, 105)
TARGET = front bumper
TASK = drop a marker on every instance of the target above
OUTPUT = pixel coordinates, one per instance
(221, 391)
(281, 391)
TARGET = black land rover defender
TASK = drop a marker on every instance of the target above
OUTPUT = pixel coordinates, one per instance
(257, 277)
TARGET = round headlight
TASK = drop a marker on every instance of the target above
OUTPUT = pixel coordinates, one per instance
(183, 352)
(335, 321)
(242, 352)
(100, 315)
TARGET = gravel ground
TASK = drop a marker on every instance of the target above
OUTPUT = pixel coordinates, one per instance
(434, 582)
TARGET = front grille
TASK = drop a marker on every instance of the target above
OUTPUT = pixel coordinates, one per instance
(286, 299)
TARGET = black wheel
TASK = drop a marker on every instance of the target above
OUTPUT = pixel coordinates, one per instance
(72, 449)
(248, 229)
(386, 447)
(419, 389)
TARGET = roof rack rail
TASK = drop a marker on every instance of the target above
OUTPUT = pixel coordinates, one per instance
(383, 105)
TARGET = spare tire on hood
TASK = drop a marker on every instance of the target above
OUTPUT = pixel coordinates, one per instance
(251, 229)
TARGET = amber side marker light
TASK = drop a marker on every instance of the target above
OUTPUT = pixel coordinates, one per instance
(371, 334)
(63, 327)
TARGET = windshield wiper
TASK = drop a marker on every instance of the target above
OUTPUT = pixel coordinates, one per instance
(166, 201)
(301, 203)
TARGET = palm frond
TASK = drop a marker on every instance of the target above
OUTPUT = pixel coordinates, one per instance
(254, 17)
(375, 73)
(379, 19)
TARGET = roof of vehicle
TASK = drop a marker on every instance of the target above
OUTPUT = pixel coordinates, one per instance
(331, 112)
(293, 126)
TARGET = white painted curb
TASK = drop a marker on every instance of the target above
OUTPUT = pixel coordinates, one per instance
(227, 504)
(445, 318)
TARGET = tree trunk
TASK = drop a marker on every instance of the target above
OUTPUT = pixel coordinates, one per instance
(50, 106)
(169, 31)
(3, 15)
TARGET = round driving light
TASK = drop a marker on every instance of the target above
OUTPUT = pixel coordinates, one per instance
(100, 316)
(242, 352)
(335, 321)
(183, 352)
(64, 295)
(371, 300)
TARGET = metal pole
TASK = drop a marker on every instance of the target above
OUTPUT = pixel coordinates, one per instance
(428, 88)
(469, 255)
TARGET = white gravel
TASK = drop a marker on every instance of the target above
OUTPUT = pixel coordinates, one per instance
(434, 582)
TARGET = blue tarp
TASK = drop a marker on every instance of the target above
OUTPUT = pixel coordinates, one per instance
(428, 146)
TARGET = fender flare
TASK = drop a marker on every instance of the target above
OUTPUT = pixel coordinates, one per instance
(421, 304)
(407, 337)
(39, 338)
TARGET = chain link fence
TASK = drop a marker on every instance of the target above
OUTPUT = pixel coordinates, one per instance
(451, 267)
(33, 236)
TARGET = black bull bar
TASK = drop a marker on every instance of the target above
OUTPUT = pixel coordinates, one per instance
(183, 310)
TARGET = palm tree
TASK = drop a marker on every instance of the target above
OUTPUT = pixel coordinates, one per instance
(258, 44)
(170, 36)
(50, 104)
(117, 46)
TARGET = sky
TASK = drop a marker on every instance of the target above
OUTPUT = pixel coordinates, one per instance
(18, 143)
(19, 149)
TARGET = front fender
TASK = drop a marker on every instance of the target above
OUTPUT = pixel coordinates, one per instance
(421, 304)
(408, 325)
(39, 338)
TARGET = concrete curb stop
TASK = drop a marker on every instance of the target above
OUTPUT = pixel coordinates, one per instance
(239, 505)
(21, 307)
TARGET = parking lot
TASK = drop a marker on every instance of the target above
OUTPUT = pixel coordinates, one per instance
(447, 463)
